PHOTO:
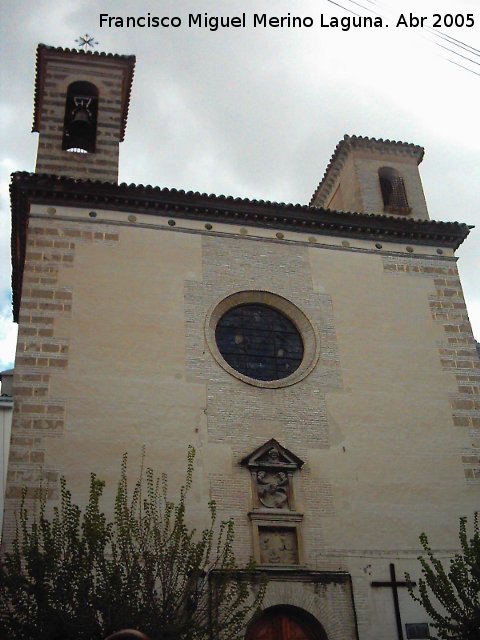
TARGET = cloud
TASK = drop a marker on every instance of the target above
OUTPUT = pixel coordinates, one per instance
(258, 112)
(8, 337)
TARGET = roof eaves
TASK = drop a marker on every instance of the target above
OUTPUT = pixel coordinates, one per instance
(27, 188)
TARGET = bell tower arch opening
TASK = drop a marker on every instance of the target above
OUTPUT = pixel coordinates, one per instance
(80, 122)
(392, 186)
(285, 623)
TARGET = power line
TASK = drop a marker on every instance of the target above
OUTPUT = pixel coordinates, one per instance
(455, 41)
(345, 8)
(436, 32)
(462, 66)
(456, 53)
(366, 8)
(458, 43)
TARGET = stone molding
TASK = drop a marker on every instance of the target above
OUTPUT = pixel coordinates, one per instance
(308, 332)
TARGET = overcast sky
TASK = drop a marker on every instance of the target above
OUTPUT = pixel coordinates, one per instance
(257, 112)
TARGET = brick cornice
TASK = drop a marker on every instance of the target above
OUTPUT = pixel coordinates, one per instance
(30, 188)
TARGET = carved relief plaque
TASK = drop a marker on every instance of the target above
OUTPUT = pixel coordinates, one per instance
(278, 545)
(272, 468)
(275, 520)
(273, 489)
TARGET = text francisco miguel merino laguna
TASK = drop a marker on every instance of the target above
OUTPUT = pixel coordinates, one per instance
(215, 22)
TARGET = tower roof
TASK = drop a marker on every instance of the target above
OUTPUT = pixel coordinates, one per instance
(45, 52)
(349, 143)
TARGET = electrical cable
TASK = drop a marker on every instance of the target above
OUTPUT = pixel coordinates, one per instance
(436, 32)
(345, 8)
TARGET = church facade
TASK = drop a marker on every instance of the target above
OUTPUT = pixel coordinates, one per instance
(318, 357)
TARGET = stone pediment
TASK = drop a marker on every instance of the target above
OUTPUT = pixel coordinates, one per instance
(272, 455)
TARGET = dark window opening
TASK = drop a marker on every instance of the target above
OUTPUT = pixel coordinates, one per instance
(393, 191)
(80, 121)
(417, 631)
(259, 342)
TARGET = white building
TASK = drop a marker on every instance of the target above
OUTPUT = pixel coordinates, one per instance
(6, 410)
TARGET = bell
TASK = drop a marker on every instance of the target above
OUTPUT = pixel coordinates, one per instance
(81, 116)
(80, 124)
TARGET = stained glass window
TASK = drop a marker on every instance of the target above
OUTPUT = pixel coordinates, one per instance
(259, 342)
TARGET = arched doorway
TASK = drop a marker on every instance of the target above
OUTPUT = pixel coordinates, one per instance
(285, 623)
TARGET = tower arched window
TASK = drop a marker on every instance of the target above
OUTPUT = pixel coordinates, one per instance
(80, 122)
(393, 191)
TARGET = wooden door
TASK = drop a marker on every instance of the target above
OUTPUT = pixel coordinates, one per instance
(279, 626)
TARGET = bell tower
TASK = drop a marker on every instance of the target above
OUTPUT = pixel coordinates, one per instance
(366, 175)
(81, 108)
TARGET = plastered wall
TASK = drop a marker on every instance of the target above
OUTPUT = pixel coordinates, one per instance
(112, 356)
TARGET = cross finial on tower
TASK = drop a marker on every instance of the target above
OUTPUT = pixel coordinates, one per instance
(87, 41)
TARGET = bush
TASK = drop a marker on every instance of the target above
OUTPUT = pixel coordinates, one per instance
(457, 591)
(77, 576)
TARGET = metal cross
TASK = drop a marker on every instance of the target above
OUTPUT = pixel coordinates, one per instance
(86, 41)
(393, 585)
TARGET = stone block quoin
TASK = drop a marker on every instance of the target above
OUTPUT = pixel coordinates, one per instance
(42, 352)
(457, 352)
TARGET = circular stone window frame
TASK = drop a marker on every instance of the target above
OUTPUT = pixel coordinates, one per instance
(308, 333)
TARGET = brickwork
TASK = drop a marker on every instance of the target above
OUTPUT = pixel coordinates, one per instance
(42, 353)
(122, 357)
(317, 495)
(335, 609)
(108, 77)
(329, 602)
(244, 416)
(457, 352)
(231, 494)
(176, 392)
(351, 182)
(362, 592)
(369, 184)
